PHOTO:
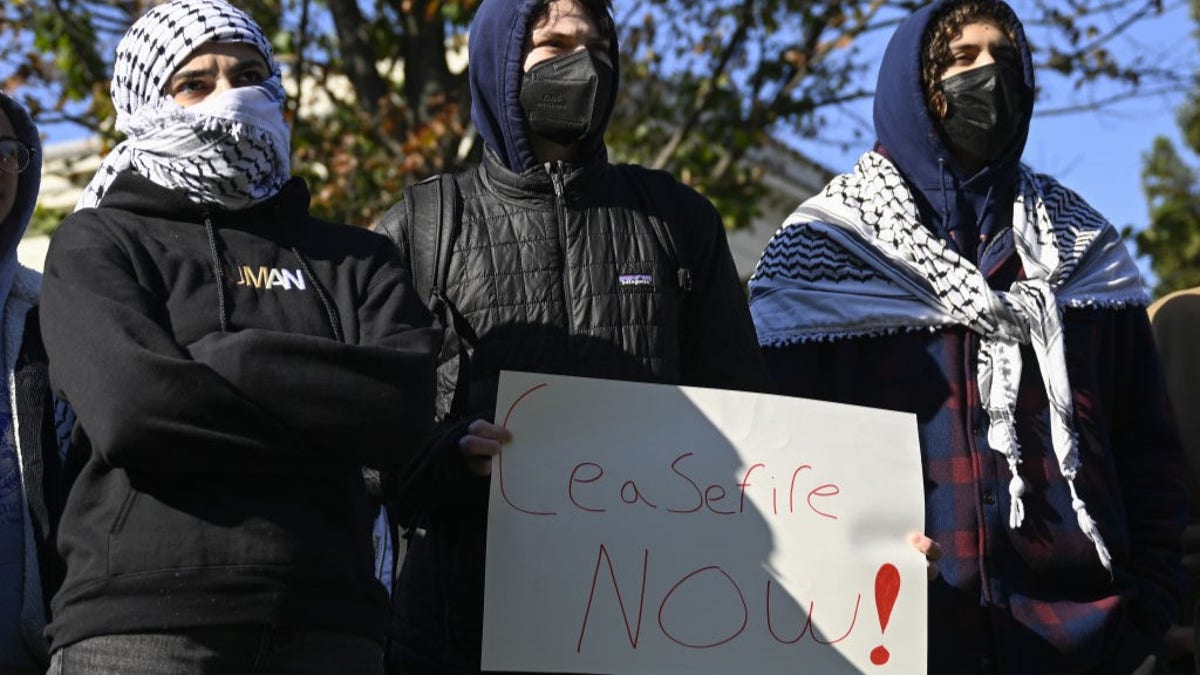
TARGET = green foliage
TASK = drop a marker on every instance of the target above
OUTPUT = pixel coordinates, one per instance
(706, 84)
(1172, 187)
(1173, 238)
(45, 220)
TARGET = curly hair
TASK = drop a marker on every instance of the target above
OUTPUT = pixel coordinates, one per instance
(599, 10)
(943, 29)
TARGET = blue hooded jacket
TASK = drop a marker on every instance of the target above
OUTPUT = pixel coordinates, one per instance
(948, 199)
(21, 614)
(496, 51)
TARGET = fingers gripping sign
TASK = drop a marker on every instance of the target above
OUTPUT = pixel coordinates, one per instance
(481, 443)
(928, 548)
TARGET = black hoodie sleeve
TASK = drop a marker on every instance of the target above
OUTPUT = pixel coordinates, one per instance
(719, 347)
(1151, 470)
(140, 398)
(371, 401)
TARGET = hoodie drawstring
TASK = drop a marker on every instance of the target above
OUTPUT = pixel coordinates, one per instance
(330, 311)
(218, 270)
(987, 204)
(945, 199)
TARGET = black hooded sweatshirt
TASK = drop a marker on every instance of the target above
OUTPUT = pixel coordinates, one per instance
(228, 417)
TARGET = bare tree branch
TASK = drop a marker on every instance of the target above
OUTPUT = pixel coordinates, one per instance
(708, 87)
(357, 52)
(820, 50)
(301, 45)
(428, 79)
(1151, 6)
(1103, 102)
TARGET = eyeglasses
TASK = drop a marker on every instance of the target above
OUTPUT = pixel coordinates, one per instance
(14, 155)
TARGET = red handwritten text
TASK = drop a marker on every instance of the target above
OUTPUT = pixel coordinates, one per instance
(588, 488)
(738, 611)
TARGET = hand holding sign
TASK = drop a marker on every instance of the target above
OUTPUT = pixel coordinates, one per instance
(481, 443)
(930, 549)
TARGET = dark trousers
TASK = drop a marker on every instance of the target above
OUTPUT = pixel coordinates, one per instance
(222, 650)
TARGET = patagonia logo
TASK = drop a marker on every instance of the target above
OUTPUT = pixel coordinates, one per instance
(636, 280)
(553, 100)
(269, 278)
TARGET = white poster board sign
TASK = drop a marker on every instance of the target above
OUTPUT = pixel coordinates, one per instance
(639, 528)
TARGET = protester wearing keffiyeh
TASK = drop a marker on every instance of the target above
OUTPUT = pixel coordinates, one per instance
(1003, 311)
(232, 151)
(234, 364)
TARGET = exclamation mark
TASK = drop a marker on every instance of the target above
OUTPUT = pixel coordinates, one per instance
(887, 587)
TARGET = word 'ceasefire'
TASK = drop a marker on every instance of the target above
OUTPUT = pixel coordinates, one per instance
(587, 490)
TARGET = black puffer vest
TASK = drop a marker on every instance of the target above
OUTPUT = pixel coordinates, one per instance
(559, 270)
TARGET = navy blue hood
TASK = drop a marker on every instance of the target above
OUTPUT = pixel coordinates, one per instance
(13, 227)
(496, 49)
(28, 183)
(907, 130)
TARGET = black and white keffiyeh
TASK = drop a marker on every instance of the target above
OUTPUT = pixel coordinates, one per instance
(855, 261)
(231, 150)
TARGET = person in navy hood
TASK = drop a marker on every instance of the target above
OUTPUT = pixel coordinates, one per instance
(962, 196)
(944, 278)
(522, 116)
(30, 458)
(545, 258)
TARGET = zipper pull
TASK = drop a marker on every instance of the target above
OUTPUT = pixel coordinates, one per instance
(555, 169)
(685, 279)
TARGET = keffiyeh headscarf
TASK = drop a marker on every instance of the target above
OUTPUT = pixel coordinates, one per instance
(231, 150)
(855, 261)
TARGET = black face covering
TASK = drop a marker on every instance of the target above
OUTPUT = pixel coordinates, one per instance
(985, 111)
(566, 98)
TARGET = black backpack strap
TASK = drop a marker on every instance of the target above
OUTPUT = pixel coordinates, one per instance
(665, 218)
(448, 198)
(435, 211)
(423, 224)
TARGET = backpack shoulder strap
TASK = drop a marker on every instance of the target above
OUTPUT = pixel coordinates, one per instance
(434, 211)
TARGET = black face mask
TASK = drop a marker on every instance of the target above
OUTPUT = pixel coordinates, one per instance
(566, 98)
(985, 111)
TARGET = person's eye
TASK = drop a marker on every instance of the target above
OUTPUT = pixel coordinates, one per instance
(14, 156)
(191, 86)
(251, 78)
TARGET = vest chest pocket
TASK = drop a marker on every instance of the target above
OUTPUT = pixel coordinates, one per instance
(642, 309)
